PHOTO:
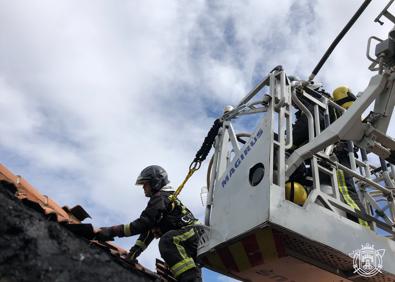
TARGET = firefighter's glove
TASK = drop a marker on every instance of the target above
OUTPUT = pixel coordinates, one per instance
(105, 234)
(108, 233)
(134, 252)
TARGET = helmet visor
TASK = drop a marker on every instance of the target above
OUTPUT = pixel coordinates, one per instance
(141, 180)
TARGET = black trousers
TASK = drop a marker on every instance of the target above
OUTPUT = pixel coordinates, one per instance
(179, 249)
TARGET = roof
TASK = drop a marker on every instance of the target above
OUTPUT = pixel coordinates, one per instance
(71, 218)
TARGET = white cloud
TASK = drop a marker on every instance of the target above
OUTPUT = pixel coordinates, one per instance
(92, 92)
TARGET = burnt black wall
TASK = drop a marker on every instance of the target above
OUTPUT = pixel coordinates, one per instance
(33, 248)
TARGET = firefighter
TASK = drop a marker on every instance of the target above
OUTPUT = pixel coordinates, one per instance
(300, 181)
(164, 218)
(343, 96)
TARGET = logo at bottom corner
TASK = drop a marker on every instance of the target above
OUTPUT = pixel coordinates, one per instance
(367, 261)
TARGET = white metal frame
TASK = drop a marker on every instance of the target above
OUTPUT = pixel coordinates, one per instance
(375, 183)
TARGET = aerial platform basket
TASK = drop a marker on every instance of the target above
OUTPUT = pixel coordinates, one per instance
(255, 234)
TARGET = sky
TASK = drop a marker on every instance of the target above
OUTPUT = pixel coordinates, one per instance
(91, 92)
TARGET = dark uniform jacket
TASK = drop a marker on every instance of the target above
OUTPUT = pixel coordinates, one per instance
(160, 216)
